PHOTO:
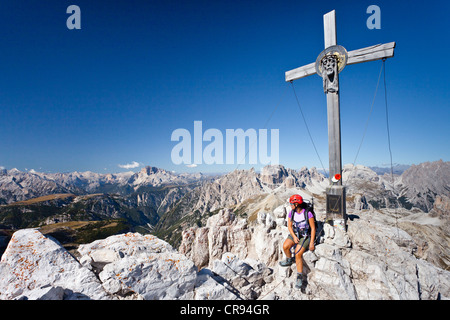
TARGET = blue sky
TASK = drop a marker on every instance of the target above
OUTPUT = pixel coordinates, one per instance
(113, 92)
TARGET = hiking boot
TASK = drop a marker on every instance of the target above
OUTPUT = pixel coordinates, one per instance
(301, 282)
(288, 262)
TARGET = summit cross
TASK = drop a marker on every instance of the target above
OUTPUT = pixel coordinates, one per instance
(328, 64)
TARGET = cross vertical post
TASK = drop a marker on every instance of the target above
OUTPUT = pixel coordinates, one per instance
(333, 109)
(335, 193)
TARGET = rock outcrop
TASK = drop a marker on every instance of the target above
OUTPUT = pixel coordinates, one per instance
(231, 258)
(372, 259)
(38, 267)
(127, 266)
(141, 265)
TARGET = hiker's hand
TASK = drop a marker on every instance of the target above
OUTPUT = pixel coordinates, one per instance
(296, 240)
(311, 247)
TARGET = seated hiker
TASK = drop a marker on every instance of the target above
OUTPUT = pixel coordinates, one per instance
(302, 235)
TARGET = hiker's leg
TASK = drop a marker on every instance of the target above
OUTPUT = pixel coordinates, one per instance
(287, 245)
(299, 260)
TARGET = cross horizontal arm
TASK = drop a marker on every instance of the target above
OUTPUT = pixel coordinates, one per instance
(376, 52)
(371, 53)
(301, 72)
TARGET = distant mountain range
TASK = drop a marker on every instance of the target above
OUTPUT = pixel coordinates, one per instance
(139, 198)
(396, 169)
(18, 186)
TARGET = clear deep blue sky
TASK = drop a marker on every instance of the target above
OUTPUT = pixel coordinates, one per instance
(114, 91)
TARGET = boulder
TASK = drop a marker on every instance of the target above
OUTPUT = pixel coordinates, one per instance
(37, 266)
(143, 265)
(210, 286)
(246, 277)
(126, 266)
(159, 276)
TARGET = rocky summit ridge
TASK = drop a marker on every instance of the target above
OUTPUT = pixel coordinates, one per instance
(229, 258)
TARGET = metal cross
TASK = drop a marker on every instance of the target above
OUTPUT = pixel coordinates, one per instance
(328, 65)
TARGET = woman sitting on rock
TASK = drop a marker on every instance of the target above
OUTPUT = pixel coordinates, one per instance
(302, 235)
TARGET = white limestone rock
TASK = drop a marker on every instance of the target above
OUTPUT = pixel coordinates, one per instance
(159, 276)
(33, 261)
(141, 264)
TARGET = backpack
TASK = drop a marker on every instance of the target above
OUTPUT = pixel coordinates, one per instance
(307, 231)
(310, 208)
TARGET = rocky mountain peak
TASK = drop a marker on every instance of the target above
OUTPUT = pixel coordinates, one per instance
(421, 183)
(274, 174)
(14, 171)
(148, 170)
